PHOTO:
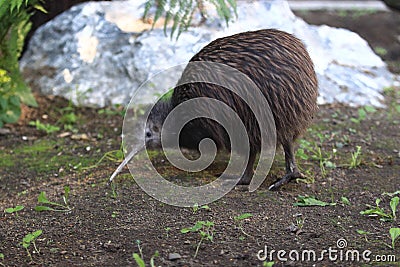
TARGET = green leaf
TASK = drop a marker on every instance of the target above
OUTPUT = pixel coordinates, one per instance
(42, 198)
(40, 8)
(139, 260)
(205, 207)
(12, 210)
(304, 201)
(362, 114)
(345, 200)
(394, 234)
(268, 264)
(1, 256)
(29, 238)
(43, 208)
(37, 233)
(362, 232)
(66, 193)
(243, 216)
(197, 226)
(394, 202)
(370, 109)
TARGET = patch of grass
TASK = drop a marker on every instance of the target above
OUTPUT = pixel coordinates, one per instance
(47, 128)
(313, 150)
(49, 205)
(205, 230)
(44, 156)
(355, 158)
(117, 109)
(355, 13)
(380, 51)
(113, 155)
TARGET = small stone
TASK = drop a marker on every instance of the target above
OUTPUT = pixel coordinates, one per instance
(4, 131)
(293, 228)
(174, 256)
(242, 188)
(80, 137)
(64, 134)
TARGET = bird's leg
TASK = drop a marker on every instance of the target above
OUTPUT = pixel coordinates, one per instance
(292, 172)
(248, 173)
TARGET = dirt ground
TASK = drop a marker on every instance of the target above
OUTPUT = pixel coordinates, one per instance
(105, 225)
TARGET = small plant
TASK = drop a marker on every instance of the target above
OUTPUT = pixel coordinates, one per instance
(240, 219)
(305, 201)
(47, 128)
(355, 158)
(29, 240)
(345, 201)
(14, 26)
(313, 150)
(14, 210)
(362, 113)
(300, 220)
(68, 120)
(139, 258)
(42, 199)
(394, 234)
(116, 110)
(206, 231)
(377, 211)
(113, 155)
(167, 230)
(380, 51)
(196, 207)
(268, 263)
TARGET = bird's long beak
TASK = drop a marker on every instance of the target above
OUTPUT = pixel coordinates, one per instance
(123, 163)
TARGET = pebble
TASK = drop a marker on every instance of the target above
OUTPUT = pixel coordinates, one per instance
(4, 131)
(174, 256)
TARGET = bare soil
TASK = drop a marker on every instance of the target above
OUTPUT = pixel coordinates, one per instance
(105, 225)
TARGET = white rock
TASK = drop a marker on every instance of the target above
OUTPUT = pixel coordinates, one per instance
(98, 53)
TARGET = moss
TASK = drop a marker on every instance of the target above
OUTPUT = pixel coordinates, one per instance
(44, 156)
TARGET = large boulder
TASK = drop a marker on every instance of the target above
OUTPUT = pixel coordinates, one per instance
(98, 53)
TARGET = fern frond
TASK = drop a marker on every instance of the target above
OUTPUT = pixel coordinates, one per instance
(180, 12)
